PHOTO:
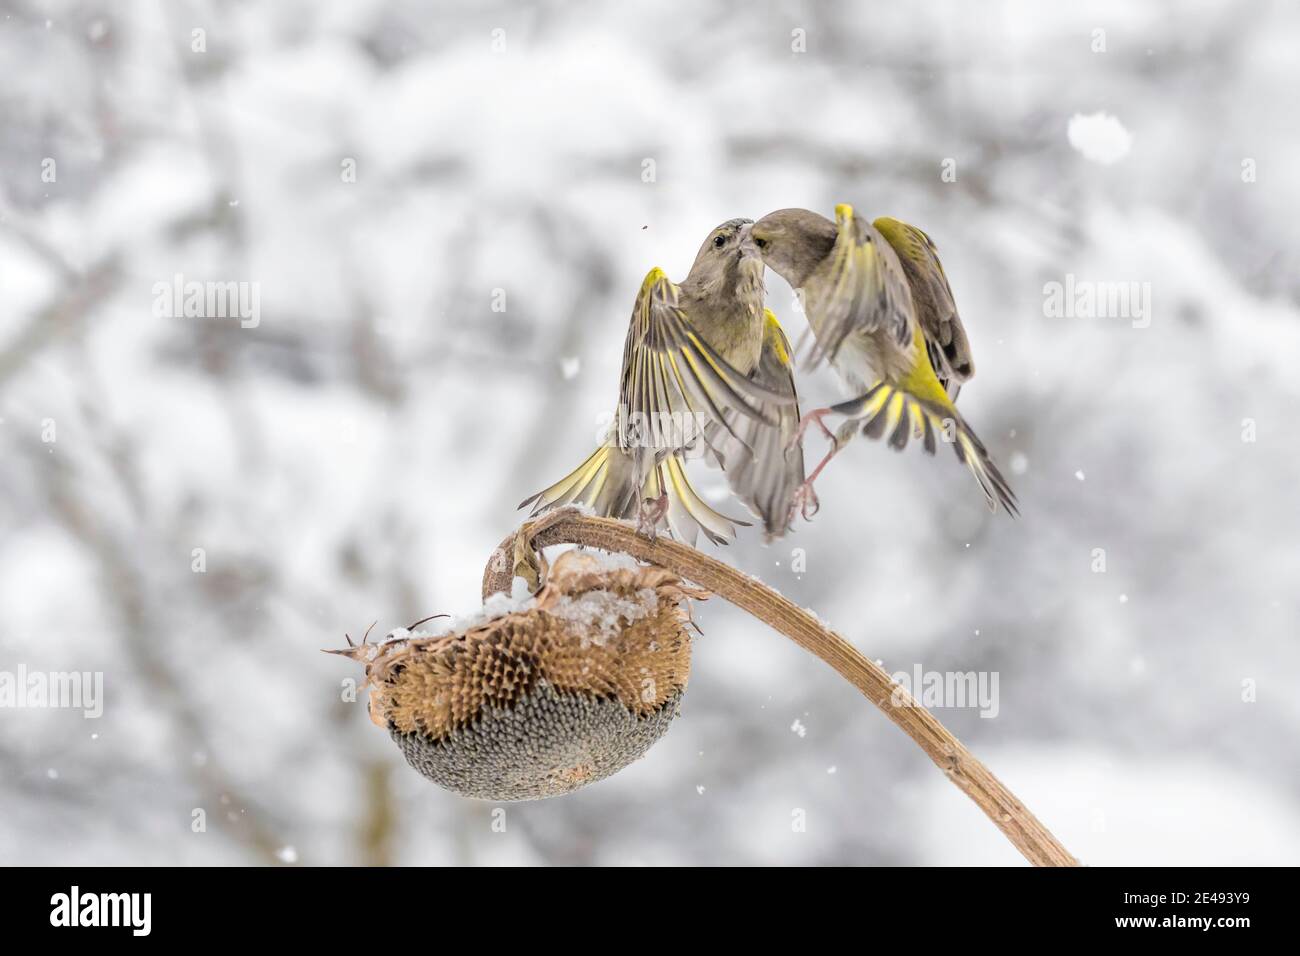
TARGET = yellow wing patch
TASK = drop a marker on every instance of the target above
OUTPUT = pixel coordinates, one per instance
(895, 414)
(774, 336)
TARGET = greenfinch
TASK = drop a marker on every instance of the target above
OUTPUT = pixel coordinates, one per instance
(882, 313)
(707, 372)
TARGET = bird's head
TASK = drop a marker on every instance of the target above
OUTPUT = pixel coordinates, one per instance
(727, 260)
(793, 241)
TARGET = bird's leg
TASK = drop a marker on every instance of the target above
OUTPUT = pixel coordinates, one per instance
(816, 415)
(652, 511)
(804, 496)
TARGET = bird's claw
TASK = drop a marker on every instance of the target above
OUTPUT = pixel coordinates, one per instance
(650, 514)
(805, 502)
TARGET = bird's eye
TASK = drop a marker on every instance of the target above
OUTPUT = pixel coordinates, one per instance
(719, 241)
(761, 243)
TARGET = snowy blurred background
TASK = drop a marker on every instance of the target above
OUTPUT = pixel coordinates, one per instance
(193, 506)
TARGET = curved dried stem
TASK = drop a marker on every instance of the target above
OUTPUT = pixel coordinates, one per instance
(517, 555)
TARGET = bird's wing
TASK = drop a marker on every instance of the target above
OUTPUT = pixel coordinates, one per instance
(674, 384)
(763, 463)
(862, 288)
(605, 484)
(936, 311)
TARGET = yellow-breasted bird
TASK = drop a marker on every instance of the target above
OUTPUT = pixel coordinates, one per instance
(882, 312)
(707, 372)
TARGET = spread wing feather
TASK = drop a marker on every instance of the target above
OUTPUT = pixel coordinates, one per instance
(674, 383)
(763, 464)
(936, 309)
(862, 288)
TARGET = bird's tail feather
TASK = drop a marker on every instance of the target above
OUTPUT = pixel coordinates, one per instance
(606, 484)
(897, 414)
(687, 511)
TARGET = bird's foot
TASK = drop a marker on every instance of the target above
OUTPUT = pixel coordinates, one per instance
(804, 501)
(650, 514)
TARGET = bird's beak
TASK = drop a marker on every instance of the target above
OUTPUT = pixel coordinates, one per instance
(748, 248)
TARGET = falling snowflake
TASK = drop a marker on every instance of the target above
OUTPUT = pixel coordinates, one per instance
(798, 728)
(1100, 137)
